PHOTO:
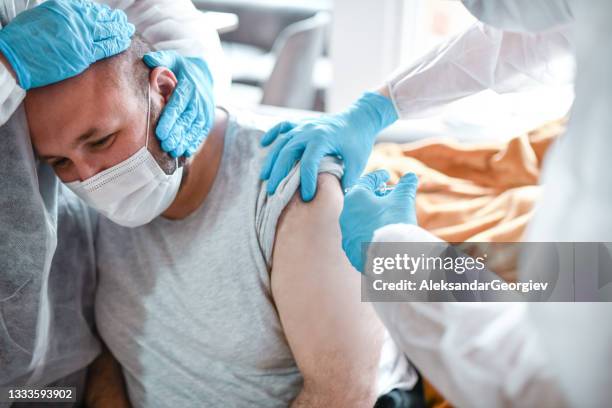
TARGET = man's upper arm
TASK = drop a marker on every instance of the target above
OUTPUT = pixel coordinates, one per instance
(335, 338)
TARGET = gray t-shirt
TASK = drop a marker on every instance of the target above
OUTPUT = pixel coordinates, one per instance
(186, 305)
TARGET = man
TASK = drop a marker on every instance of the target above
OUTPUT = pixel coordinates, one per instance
(46, 255)
(207, 302)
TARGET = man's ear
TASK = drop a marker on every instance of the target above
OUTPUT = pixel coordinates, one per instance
(162, 82)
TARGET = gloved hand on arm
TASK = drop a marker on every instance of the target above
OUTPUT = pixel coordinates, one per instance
(349, 134)
(190, 112)
(366, 209)
(60, 39)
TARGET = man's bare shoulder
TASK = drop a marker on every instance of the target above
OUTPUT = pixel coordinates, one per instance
(316, 214)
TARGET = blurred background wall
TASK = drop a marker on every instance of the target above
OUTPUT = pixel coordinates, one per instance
(292, 57)
(322, 54)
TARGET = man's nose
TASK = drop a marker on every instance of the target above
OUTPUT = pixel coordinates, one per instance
(87, 168)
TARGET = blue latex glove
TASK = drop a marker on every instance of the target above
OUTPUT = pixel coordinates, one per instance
(349, 135)
(366, 210)
(60, 39)
(190, 112)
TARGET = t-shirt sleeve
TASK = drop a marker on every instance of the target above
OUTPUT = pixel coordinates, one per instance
(270, 208)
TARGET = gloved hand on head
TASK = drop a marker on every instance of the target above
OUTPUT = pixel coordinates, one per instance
(190, 113)
(366, 209)
(60, 39)
(64, 37)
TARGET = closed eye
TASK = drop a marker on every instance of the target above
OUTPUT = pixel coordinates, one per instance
(102, 143)
(60, 163)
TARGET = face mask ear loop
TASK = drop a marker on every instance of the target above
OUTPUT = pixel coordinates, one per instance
(148, 116)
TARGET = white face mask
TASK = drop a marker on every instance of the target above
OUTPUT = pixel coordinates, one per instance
(133, 192)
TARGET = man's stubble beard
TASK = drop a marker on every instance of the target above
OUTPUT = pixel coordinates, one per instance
(166, 162)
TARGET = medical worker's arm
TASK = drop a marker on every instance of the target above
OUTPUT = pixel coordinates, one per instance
(335, 338)
(177, 25)
(480, 58)
(11, 94)
(475, 354)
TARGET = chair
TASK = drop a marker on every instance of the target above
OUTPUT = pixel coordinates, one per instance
(297, 50)
(286, 72)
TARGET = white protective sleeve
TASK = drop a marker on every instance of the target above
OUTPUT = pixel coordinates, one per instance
(475, 354)
(481, 58)
(11, 94)
(178, 25)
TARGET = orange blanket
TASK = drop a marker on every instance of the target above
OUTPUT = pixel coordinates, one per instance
(472, 192)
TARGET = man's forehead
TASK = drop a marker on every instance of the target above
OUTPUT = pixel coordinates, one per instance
(81, 86)
(64, 109)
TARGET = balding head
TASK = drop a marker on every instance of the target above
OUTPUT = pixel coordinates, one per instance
(127, 69)
(97, 119)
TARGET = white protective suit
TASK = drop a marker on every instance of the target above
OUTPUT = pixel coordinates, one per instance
(523, 355)
(47, 264)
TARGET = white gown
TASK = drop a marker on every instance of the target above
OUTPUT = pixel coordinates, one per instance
(493, 355)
